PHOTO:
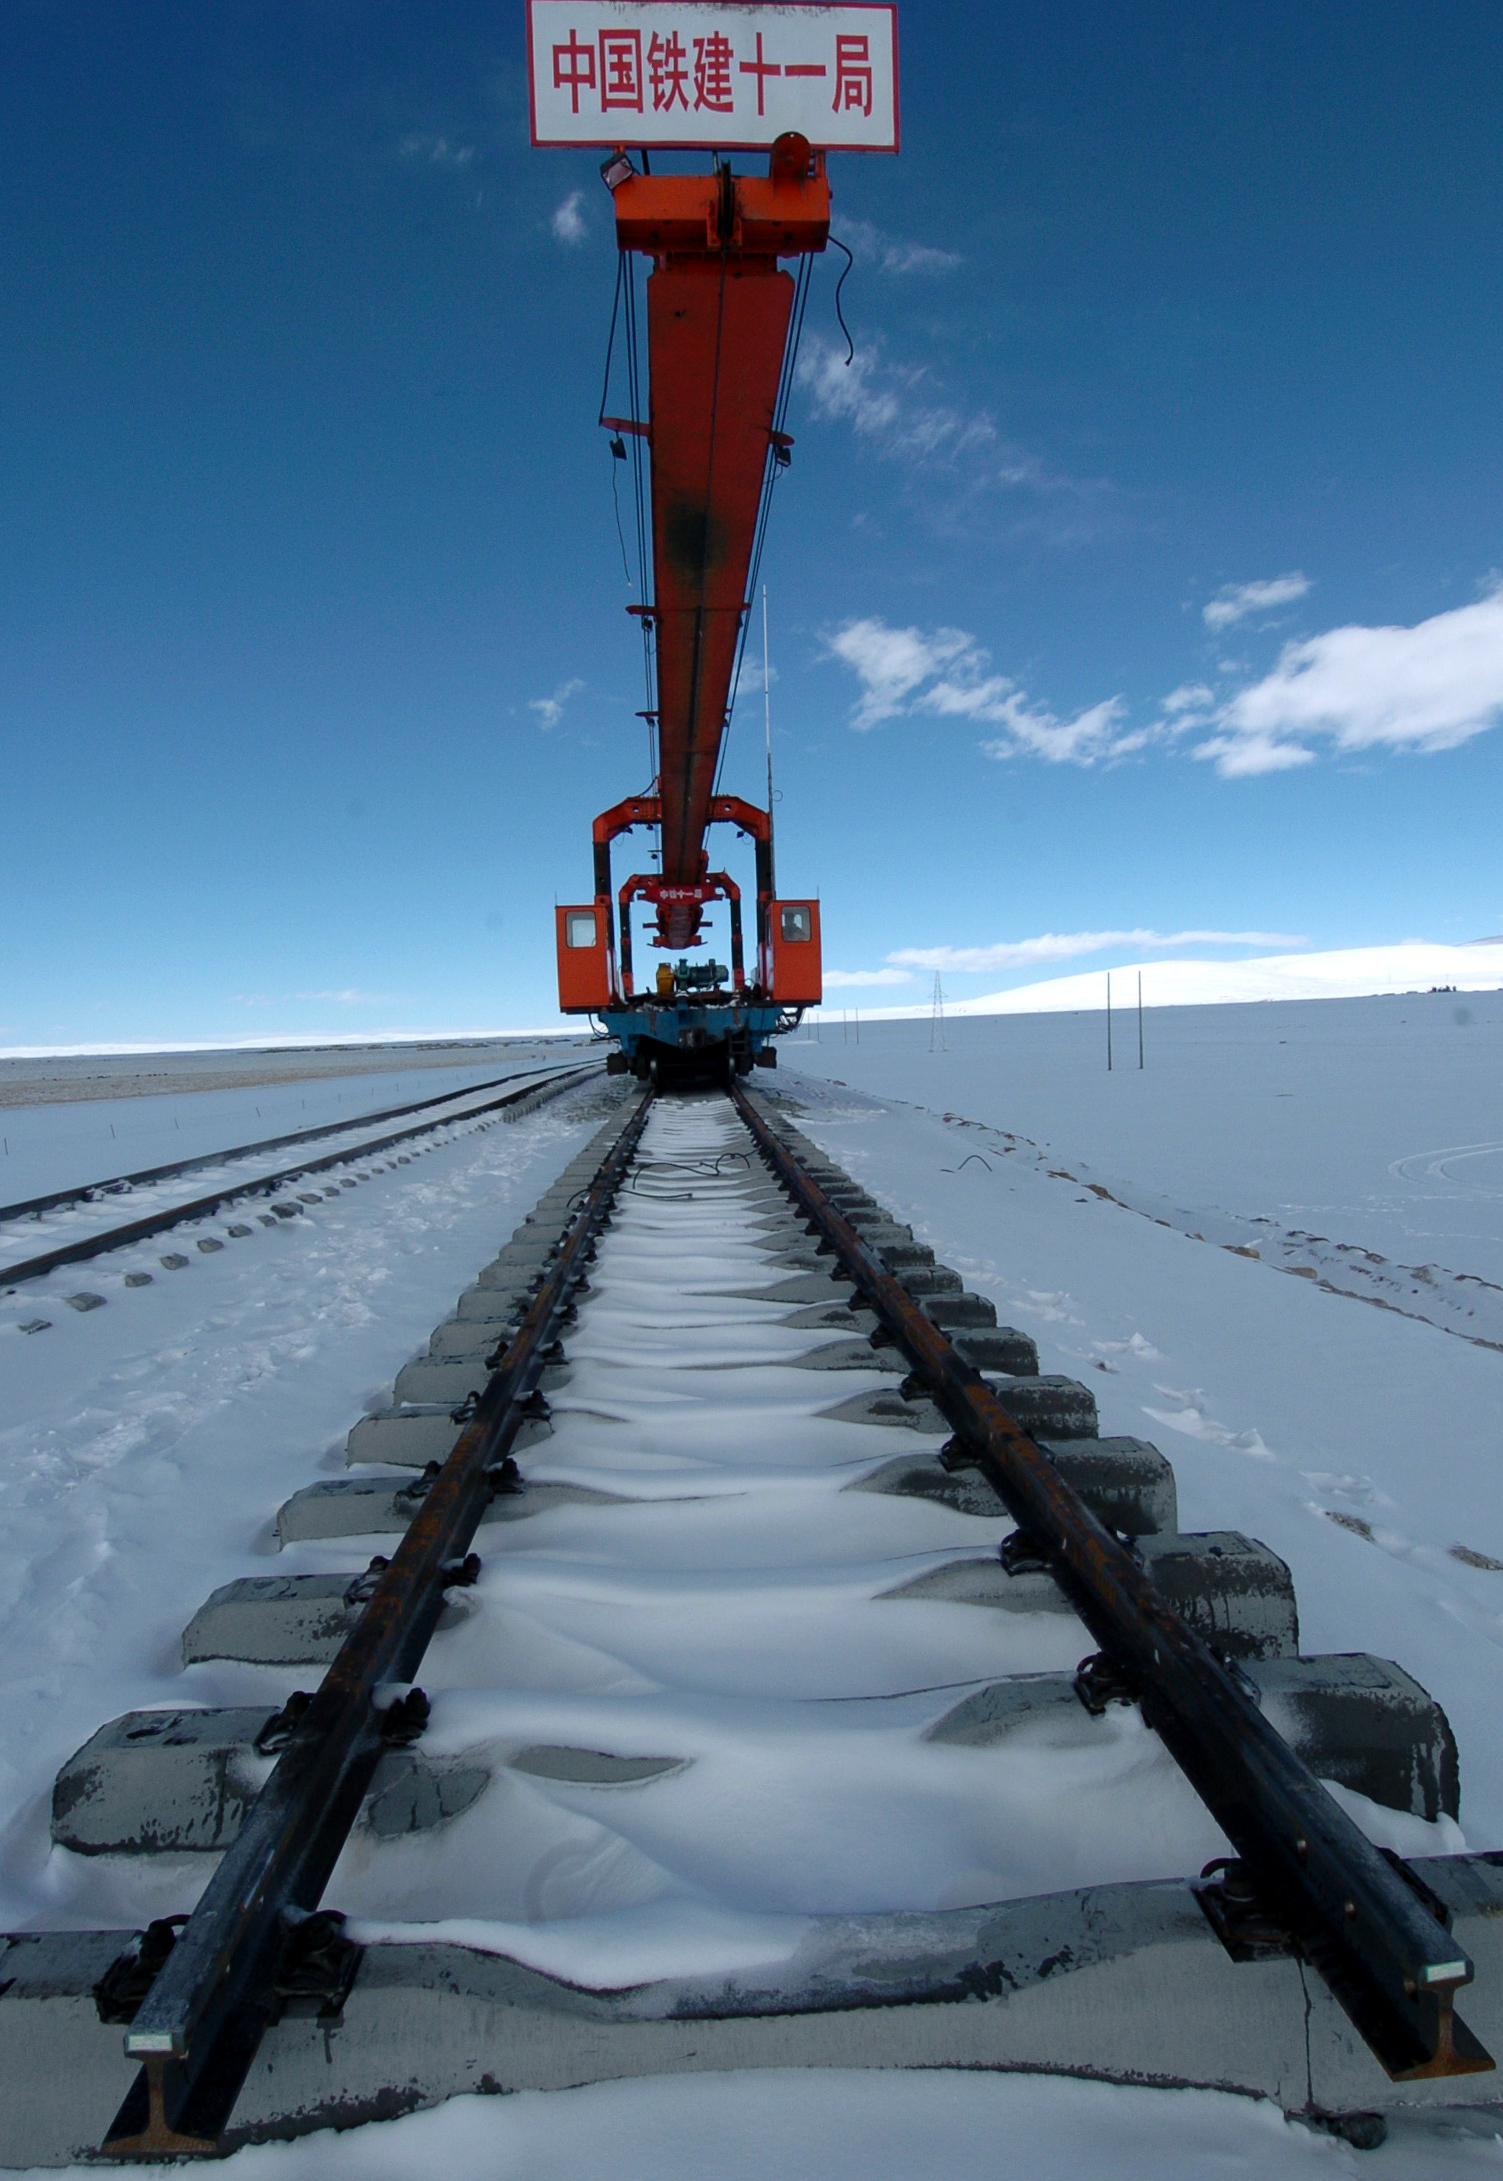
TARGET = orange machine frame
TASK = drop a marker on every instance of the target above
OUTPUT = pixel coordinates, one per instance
(718, 310)
(718, 313)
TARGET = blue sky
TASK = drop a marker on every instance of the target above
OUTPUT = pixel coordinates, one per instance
(1141, 575)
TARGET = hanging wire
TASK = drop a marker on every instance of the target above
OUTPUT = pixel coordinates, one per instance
(790, 360)
(709, 495)
(774, 470)
(627, 289)
(634, 387)
(618, 450)
(618, 454)
(850, 346)
(610, 345)
(624, 316)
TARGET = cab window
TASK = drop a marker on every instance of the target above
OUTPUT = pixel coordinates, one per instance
(579, 928)
(796, 924)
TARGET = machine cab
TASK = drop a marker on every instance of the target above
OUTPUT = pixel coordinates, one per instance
(586, 969)
(797, 973)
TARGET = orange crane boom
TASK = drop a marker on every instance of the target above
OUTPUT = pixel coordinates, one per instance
(717, 328)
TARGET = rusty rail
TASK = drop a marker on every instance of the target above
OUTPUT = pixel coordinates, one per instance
(1389, 1962)
(198, 2030)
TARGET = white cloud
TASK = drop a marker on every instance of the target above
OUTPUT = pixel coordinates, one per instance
(550, 710)
(1034, 731)
(879, 401)
(568, 221)
(892, 255)
(1425, 688)
(1051, 946)
(891, 663)
(840, 979)
(351, 998)
(889, 406)
(1236, 600)
(1242, 757)
(894, 664)
(1190, 698)
(438, 151)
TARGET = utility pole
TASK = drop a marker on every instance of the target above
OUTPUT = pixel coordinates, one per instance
(1140, 1018)
(1108, 1022)
(937, 1019)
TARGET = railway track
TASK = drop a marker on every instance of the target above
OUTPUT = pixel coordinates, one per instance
(62, 1214)
(760, 1663)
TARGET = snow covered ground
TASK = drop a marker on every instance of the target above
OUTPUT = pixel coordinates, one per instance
(787, 2125)
(1310, 1130)
(1339, 973)
(144, 1446)
(27, 1235)
(1348, 1412)
(72, 1120)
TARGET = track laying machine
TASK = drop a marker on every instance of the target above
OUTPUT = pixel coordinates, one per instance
(722, 326)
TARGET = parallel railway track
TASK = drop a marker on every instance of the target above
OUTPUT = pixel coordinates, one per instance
(676, 1326)
(79, 1249)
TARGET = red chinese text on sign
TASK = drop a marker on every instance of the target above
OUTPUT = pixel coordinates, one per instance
(667, 74)
(574, 68)
(621, 71)
(712, 75)
(696, 73)
(853, 75)
(761, 69)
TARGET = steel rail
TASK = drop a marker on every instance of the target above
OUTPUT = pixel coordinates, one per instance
(87, 1192)
(1388, 1961)
(152, 1223)
(200, 2025)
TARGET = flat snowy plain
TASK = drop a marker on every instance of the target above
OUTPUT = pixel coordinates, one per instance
(67, 1120)
(144, 1446)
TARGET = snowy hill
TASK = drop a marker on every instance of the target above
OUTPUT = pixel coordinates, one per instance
(1344, 973)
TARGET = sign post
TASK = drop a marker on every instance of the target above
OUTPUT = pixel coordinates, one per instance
(694, 75)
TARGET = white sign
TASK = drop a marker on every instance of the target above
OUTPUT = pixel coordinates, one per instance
(692, 73)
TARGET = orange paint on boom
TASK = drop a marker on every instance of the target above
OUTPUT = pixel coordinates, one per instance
(717, 326)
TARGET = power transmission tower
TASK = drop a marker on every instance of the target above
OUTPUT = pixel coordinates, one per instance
(937, 1019)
